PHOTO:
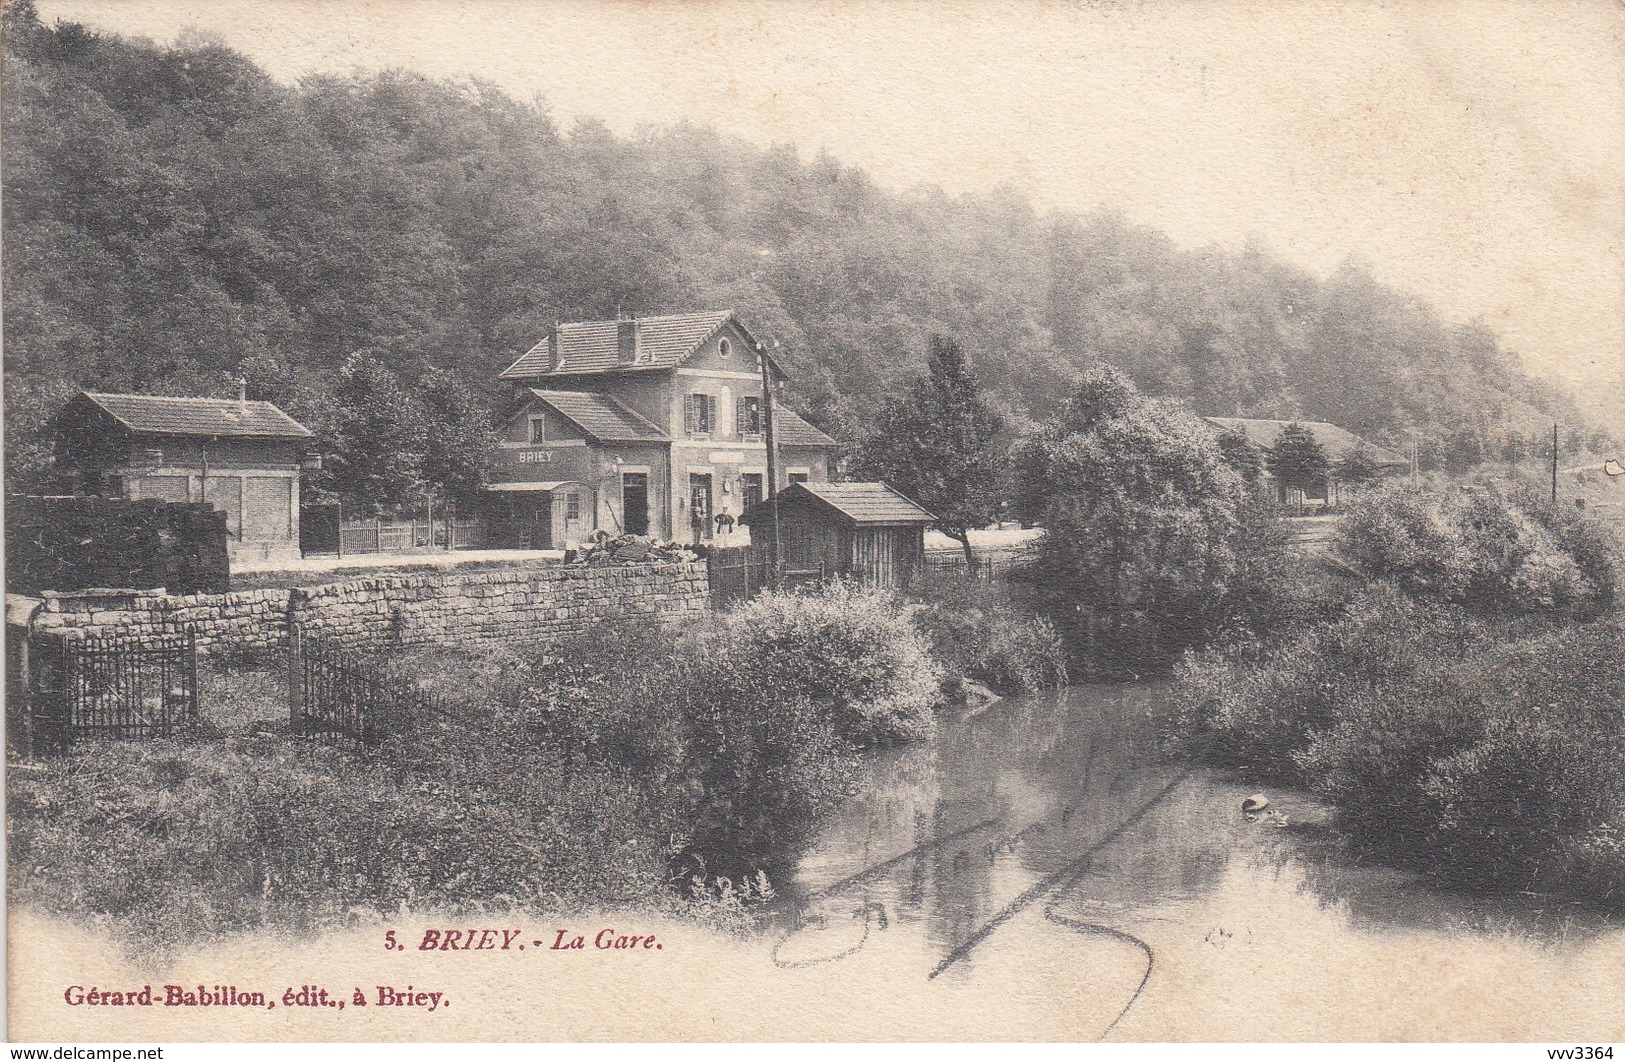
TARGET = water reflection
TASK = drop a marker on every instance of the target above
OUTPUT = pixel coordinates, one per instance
(951, 835)
(1061, 812)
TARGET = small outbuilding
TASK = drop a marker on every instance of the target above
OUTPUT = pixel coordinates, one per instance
(241, 457)
(868, 531)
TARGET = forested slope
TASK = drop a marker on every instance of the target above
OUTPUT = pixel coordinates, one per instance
(174, 217)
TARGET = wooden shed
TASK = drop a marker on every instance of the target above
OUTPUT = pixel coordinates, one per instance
(866, 530)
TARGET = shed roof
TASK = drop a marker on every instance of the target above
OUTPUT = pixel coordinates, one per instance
(857, 504)
(226, 417)
(601, 416)
(1334, 440)
(593, 346)
(789, 429)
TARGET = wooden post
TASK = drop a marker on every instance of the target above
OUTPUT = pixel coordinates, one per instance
(775, 568)
(296, 684)
(25, 693)
(1554, 464)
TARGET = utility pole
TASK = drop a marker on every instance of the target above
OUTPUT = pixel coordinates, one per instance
(773, 567)
(1554, 464)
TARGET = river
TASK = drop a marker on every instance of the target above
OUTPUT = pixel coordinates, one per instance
(1041, 870)
(1054, 845)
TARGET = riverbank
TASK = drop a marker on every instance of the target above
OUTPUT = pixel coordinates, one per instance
(1234, 914)
(1458, 702)
(676, 769)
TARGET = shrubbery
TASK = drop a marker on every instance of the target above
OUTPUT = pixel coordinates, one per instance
(850, 649)
(603, 769)
(1487, 751)
(1482, 549)
(731, 766)
(975, 631)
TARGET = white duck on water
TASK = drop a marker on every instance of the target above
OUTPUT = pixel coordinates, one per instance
(1258, 806)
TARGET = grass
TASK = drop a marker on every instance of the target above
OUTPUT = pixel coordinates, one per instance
(629, 766)
(632, 765)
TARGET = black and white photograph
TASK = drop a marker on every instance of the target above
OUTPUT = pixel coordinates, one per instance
(820, 521)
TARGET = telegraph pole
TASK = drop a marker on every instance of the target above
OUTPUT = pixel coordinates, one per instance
(772, 465)
(1554, 464)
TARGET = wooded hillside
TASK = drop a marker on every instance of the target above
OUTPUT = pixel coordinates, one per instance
(174, 217)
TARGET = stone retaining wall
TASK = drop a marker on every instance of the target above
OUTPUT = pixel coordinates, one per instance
(248, 619)
(450, 608)
(510, 607)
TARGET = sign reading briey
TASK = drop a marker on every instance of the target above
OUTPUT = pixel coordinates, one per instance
(537, 457)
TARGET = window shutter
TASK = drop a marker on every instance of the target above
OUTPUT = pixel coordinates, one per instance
(711, 413)
(741, 416)
(691, 415)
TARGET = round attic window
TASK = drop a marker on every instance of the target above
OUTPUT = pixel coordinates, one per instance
(726, 348)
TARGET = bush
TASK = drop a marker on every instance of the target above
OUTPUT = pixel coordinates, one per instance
(1485, 751)
(1262, 702)
(851, 650)
(976, 632)
(1503, 765)
(732, 767)
(762, 763)
(1481, 549)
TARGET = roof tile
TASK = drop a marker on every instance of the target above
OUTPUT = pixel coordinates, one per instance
(165, 415)
(601, 416)
(1334, 440)
(592, 346)
(862, 504)
(790, 430)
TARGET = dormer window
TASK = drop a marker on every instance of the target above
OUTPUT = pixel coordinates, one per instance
(725, 348)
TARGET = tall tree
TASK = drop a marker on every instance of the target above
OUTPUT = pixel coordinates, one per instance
(1141, 515)
(939, 444)
(1241, 455)
(459, 436)
(378, 443)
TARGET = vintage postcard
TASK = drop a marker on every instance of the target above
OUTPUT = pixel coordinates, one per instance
(531, 520)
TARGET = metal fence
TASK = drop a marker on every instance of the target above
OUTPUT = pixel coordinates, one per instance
(336, 696)
(117, 689)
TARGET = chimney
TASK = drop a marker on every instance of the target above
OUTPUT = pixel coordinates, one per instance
(553, 348)
(626, 340)
(242, 391)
